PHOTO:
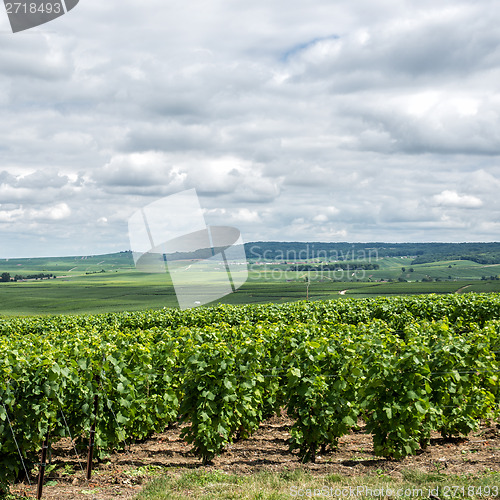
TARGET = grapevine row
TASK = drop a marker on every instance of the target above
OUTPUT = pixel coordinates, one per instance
(405, 366)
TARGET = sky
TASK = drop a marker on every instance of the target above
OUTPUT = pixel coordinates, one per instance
(353, 121)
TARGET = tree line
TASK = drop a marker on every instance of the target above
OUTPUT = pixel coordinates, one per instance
(6, 277)
(337, 266)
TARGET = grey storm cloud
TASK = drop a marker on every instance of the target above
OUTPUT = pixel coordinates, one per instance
(345, 121)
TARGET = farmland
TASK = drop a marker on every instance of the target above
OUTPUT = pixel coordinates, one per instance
(211, 377)
(110, 283)
(406, 366)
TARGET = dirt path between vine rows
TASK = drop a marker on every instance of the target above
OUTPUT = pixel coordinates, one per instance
(124, 474)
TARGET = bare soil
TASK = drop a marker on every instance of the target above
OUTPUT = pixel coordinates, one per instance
(124, 473)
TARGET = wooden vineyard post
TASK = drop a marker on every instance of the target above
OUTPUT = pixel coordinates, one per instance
(43, 464)
(92, 440)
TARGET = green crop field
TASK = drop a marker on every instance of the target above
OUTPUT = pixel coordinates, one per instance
(110, 283)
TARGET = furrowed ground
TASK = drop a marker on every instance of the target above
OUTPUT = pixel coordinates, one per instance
(471, 460)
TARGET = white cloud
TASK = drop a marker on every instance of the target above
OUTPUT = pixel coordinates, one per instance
(243, 215)
(10, 215)
(56, 212)
(453, 199)
(327, 214)
(138, 170)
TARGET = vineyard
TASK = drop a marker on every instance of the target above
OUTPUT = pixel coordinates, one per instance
(406, 366)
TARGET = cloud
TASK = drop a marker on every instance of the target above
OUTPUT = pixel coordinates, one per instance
(42, 178)
(56, 212)
(10, 215)
(138, 170)
(360, 121)
(453, 199)
(328, 214)
(246, 215)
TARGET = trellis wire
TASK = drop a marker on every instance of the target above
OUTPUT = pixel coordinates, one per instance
(72, 442)
(17, 446)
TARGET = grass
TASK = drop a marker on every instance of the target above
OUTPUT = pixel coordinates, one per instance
(87, 294)
(218, 485)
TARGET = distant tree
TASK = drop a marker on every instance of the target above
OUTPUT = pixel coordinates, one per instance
(5, 277)
(403, 269)
(411, 269)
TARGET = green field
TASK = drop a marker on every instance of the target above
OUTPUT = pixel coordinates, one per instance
(110, 283)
